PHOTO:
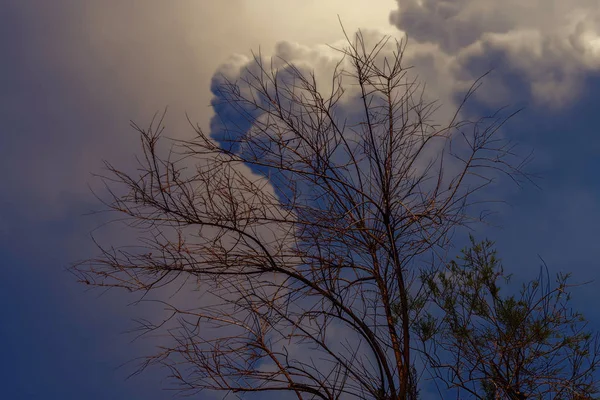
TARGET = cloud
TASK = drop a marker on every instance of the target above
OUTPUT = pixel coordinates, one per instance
(549, 46)
(423, 61)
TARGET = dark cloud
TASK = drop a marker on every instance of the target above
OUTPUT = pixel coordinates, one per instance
(551, 46)
(451, 24)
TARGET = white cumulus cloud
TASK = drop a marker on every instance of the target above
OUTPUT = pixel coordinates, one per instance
(549, 46)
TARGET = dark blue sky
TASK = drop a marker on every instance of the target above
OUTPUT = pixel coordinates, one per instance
(72, 74)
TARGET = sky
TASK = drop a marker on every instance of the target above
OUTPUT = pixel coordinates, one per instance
(73, 74)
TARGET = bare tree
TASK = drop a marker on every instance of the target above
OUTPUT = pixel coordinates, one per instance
(490, 345)
(313, 286)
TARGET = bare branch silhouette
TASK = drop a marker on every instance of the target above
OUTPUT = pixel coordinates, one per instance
(311, 263)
